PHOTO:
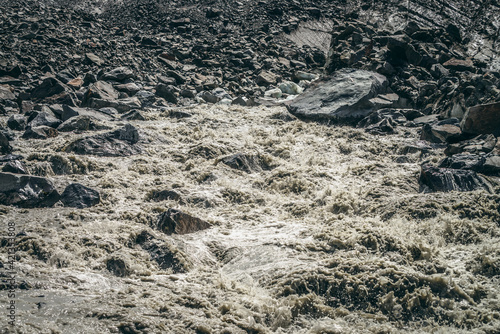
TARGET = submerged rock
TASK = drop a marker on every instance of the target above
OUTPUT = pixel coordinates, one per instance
(482, 119)
(160, 252)
(177, 222)
(78, 196)
(27, 191)
(344, 97)
(118, 267)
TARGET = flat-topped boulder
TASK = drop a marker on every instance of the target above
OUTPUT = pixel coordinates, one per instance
(345, 97)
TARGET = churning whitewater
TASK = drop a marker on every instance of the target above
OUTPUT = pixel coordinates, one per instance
(324, 230)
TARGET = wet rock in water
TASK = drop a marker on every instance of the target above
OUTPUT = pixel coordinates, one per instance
(48, 87)
(179, 114)
(345, 97)
(27, 191)
(464, 161)
(40, 132)
(78, 196)
(118, 267)
(11, 157)
(5, 147)
(118, 74)
(177, 222)
(16, 122)
(482, 119)
(121, 142)
(477, 145)
(245, 162)
(44, 119)
(447, 179)
(163, 195)
(444, 131)
(6, 93)
(16, 167)
(160, 252)
(266, 78)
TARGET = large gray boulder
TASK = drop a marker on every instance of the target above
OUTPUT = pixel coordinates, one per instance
(482, 119)
(348, 96)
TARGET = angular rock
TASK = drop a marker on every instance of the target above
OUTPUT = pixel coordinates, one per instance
(118, 267)
(479, 145)
(177, 222)
(245, 162)
(5, 147)
(164, 195)
(78, 196)
(16, 122)
(459, 65)
(345, 97)
(27, 191)
(77, 123)
(482, 119)
(464, 161)
(121, 142)
(382, 121)
(40, 132)
(118, 74)
(91, 58)
(441, 132)
(446, 179)
(167, 92)
(49, 87)
(44, 119)
(491, 165)
(160, 252)
(122, 105)
(266, 78)
(16, 167)
(6, 93)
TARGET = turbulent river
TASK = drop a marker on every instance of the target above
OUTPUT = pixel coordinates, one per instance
(330, 234)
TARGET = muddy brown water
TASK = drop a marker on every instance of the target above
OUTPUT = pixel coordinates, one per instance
(333, 237)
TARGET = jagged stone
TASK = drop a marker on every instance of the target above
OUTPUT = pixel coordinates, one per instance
(447, 179)
(27, 191)
(345, 97)
(78, 196)
(177, 222)
(482, 119)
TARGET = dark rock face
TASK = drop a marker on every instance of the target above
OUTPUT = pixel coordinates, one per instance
(27, 191)
(117, 267)
(175, 221)
(122, 142)
(160, 252)
(5, 147)
(482, 119)
(442, 131)
(16, 167)
(40, 132)
(245, 162)
(16, 122)
(345, 97)
(446, 179)
(164, 195)
(78, 196)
